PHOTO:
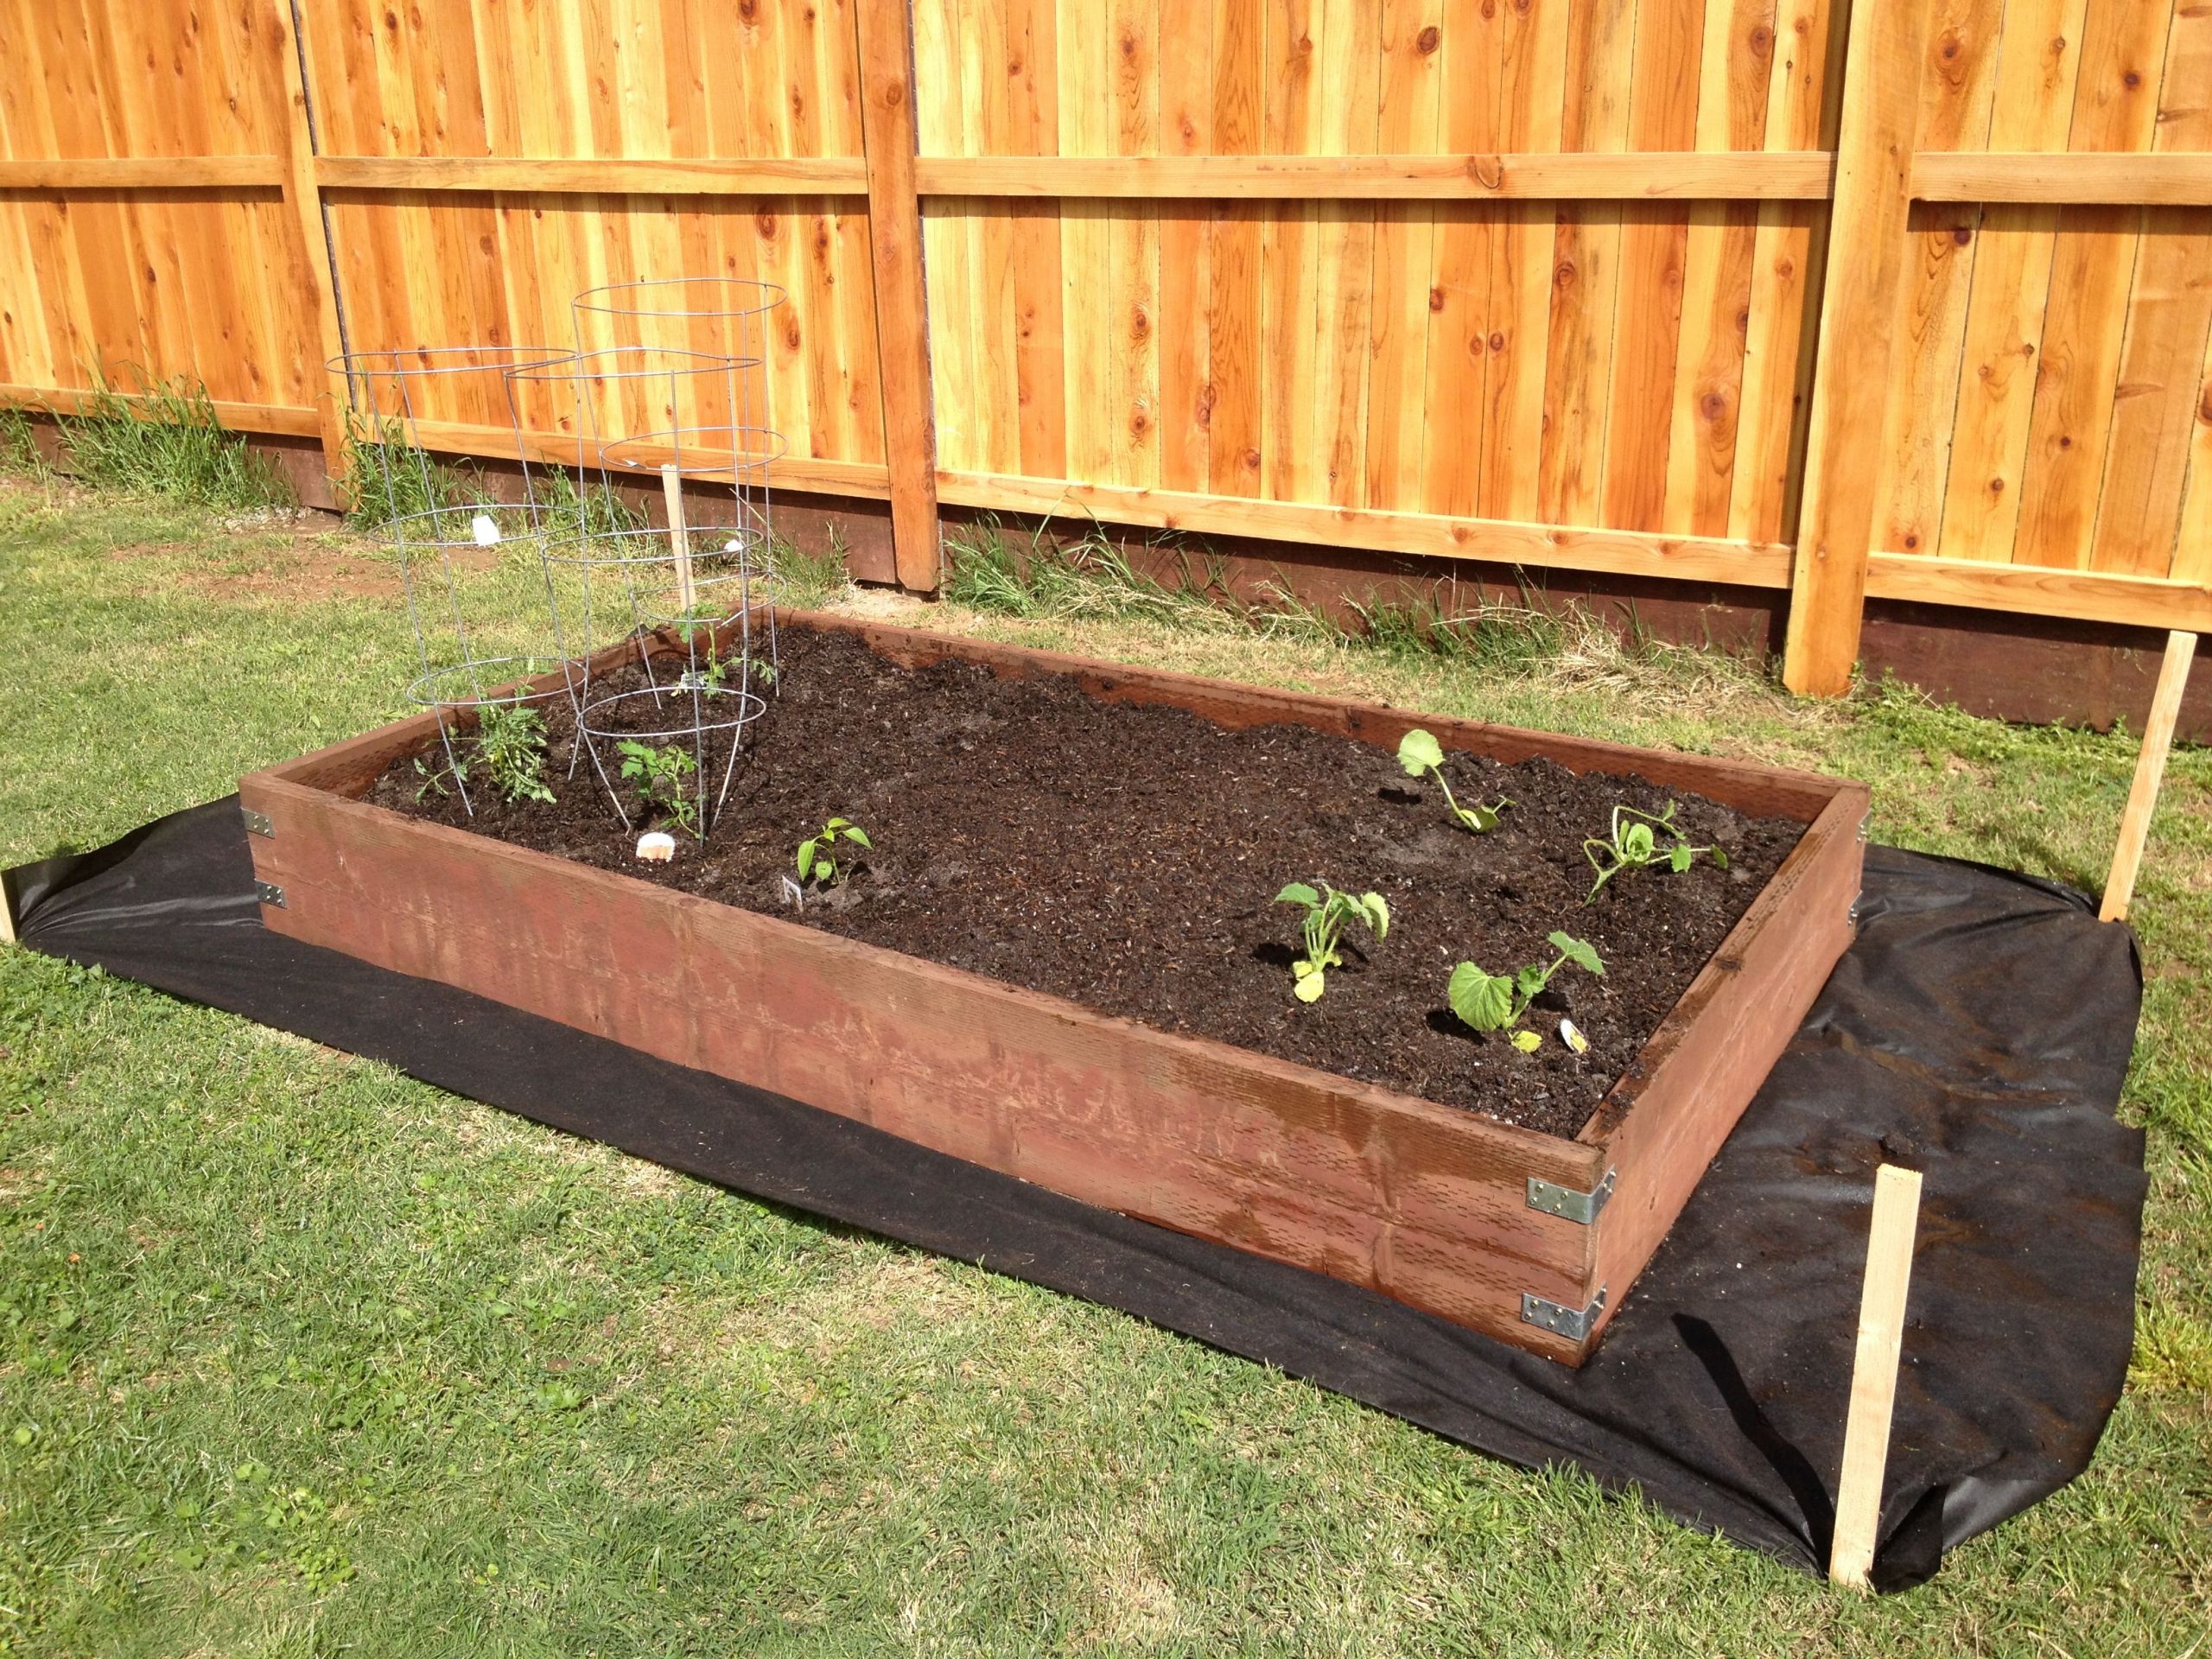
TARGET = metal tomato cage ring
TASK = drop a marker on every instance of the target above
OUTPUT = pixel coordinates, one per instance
(668, 388)
(478, 644)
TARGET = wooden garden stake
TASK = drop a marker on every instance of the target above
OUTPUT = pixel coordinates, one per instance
(2150, 774)
(1874, 1373)
(679, 539)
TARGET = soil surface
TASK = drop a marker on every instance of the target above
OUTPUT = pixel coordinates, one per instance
(1128, 858)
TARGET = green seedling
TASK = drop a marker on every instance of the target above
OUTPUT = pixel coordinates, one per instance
(1328, 912)
(759, 669)
(1497, 1001)
(434, 777)
(510, 744)
(817, 858)
(1422, 755)
(1634, 843)
(660, 774)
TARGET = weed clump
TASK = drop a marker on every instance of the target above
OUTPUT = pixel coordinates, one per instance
(166, 441)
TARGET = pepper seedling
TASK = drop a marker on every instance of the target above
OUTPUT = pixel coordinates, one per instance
(1422, 755)
(814, 860)
(1634, 843)
(1328, 912)
(1496, 1001)
(659, 775)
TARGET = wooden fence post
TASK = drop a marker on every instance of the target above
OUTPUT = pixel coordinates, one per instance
(304, 196)
(895, 234)
(1867, 249)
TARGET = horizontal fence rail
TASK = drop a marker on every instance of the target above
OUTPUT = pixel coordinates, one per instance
(1907, 301)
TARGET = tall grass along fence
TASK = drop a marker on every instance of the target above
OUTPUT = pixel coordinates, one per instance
(1909, 298)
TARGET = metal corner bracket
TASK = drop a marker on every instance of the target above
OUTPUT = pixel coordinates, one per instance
(270, 893)
(1572, 1323)
(1556, 1200)
(256, 824)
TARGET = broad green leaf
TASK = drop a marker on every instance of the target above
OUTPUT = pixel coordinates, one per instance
(1718, 857)
(1577, 952)
(858, 836)
(1637, 842)
(1528, 981)
(806, 852)
(1419, 751)
(836, 823)
(1481, 819)
(826, 869)
(1483, 1001)
(1308, 988)
(1378, 913)
(1526, 1041)
(1679, 859)
(1297, 893)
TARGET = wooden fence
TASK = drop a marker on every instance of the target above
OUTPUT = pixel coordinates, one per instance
(1910, 298)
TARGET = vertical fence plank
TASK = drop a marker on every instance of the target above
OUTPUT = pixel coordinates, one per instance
(1235, 306)
(1531, 108)
(1786, 252)
(1866, 260)
(304, 197)
(894, 224)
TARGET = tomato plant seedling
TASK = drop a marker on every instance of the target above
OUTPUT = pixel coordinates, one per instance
(1496, 1001)
(1634, 843)
(659, 775)
(510, 744)
(1422, 756)
(1328, 912)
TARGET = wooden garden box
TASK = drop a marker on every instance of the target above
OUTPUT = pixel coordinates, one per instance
(1526, 1236)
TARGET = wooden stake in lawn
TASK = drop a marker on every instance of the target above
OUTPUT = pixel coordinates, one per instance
(679, 540)
(1874, 1373)
(2150, 774)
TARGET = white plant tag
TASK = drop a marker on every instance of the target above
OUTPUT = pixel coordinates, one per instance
(487, 533)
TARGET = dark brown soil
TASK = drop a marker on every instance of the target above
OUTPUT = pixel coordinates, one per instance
(1127, 859)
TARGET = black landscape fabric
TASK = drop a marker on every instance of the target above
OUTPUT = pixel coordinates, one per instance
(1979, 1030)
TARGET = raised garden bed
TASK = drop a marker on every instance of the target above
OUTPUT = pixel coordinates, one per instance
(1089, 853)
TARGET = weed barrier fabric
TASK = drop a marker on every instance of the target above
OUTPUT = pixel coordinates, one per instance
(1979, 1030)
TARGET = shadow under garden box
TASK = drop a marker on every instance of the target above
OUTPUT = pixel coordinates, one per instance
(1529, 1237)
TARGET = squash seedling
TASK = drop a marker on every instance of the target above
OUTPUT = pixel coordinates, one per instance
(1422, 755)
(815, 861)
(1328, 912)
(659, 775)
(1496, 1001)
(1634, 843)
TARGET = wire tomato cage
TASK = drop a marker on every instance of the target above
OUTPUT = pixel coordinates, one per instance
(478, 644)
(667, 388)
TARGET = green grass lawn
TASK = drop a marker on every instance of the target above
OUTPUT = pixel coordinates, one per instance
(304, 1357)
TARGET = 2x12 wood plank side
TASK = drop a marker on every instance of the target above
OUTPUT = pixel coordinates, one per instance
(1421, 1202)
